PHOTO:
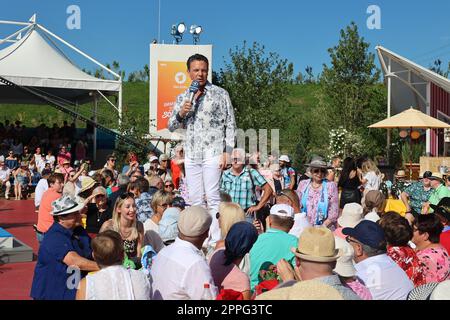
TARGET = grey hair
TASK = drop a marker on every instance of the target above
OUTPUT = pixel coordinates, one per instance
(123, 180)
(371, 252)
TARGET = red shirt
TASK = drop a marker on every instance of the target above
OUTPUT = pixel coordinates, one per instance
(445, 239)
(176, 174)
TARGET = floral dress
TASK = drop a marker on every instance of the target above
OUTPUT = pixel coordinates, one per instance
(407, 259)
(435, 263)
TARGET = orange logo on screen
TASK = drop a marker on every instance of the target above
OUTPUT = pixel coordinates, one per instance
(173, 80)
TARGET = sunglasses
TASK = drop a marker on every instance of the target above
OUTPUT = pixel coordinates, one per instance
(112, 160)
(127, 195)
(281, 193)
(169, 185)
(318, 170)
(100, 195)
(164, 160)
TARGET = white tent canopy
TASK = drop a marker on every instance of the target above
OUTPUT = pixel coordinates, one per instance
(35, 61)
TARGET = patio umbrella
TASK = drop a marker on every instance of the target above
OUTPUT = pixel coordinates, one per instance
(412, 119)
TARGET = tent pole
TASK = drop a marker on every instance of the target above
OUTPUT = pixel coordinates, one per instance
(94, 144)
(120, 107)
(410, 154)
(389, 95)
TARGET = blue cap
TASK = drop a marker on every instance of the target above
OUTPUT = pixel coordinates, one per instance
(168, 226)
(179, 203)
(367, 232)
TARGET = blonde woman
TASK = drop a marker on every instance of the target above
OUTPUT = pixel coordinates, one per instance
(124, 222)
(161, 200)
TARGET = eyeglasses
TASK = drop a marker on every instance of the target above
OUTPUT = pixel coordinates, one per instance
(127, 195)
(169, 185)
(235, 159)
(217, 215)
(348, 239)
(100, 195)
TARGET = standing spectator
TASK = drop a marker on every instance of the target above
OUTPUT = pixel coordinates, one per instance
(415, 195)
(398, 233)
(224, 262)
(274, 244)
(439, 192)
(50, 158)
(39, 159)
(389, 282)
(240, 182)
(54, 192)
(151, 167)
(5, 174)
(97, 212)
(26, 156)
(63, 155)
(180, 270)
(113, 281)
(434, 258)
(334, 172)
(319, 197)
(442, 210)
(108, 178)
(132, 164)
(81, 150)
(210, 136)
(65, 169)
(349, 183)
(370, 177)
(111, 165)
(66, 244)
(177, 166)
(288, 173)
(374, 204)
(124, 222)
(164, 167)
(41, 187)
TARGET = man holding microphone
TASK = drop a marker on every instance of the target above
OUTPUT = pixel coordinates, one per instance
(205, 112)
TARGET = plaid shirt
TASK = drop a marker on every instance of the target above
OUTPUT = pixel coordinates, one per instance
(240, 187)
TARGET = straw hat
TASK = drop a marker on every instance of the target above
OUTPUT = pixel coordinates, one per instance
(316, 244)
(303, 290)
(400, 174)
(352, 214)
(86, 184)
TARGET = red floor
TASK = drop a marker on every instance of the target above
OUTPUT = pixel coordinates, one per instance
(18, 217)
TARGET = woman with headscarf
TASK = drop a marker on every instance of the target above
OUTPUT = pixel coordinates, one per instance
(225, 261)
(319, 198)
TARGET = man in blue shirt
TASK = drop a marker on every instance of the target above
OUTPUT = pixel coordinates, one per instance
(66, 244)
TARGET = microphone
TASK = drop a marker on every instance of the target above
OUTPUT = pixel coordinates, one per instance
(193, 90)
(195, 86)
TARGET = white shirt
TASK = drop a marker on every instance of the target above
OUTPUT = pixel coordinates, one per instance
(4, 173)
(179, 272)
(373, 181)
(300, 224)
(372, 216)
(384, 278)
(51, 159)
(41, 187)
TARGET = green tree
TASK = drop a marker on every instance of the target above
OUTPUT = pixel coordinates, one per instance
(258, 84)
(350, 88)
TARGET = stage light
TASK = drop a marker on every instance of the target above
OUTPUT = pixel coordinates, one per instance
(177, 31)
(195, 31)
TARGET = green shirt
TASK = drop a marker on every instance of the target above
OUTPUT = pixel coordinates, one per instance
(437, 195)
(417, 196)
(271, 247)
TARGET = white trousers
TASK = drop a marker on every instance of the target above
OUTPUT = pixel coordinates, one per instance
(203, 186)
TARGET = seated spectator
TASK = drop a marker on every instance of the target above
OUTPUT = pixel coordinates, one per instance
(180, 271)
(50, 158)
(289, 197)
(122, 183)
(352, 214)
(110, 181)
(432, 255)
(139, 188)
(65, 168)
(156, 183)
(224, 262)
(113, 281)
(274, 244)
(389, 282)
(151, 167)
(124, 222)
(164, 167)
(22, 180)
(169, 186)
(161, 200)
(346, 271)
(398, 233)
(11, 160)
(26, 155)
(111, 165)
(303, 290)
(97, 213)
(135, 175)
(5, 174)
(374, 205)
(63, 156)
(59, 250)
(442, 210)
(168, 225)
(17, 147)
(315, 259)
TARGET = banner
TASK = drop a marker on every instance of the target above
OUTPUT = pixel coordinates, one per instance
(168, 79)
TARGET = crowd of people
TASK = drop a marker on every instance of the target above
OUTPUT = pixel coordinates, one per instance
(277, 227)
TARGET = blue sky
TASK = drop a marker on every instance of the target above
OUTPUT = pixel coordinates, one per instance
(300, 31)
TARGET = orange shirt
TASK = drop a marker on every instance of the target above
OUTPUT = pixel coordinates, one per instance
(45, 219)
